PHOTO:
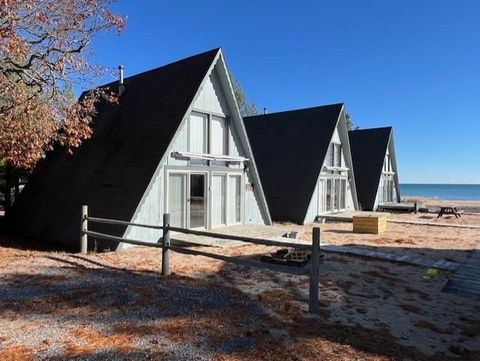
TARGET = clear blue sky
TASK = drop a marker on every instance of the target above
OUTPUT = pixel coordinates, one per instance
(412, 64)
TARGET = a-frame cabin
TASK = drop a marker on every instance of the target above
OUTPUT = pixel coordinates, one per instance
(375, 166)
(175, 143)
(303, 157)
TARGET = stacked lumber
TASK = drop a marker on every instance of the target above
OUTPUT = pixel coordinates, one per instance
(369, 224)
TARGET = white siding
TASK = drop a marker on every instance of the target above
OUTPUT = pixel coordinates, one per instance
(253, 215)
(211, 98)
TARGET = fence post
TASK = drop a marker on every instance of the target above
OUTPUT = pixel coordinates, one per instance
(314, 272)
(165, 245)
(84, 228)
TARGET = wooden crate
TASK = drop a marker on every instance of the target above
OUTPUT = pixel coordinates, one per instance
(369, 224)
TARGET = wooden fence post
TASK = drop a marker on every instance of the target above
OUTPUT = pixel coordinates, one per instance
(84, 229)
(166, 245)
(314, 272)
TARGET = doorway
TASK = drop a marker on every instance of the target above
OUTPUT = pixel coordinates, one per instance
(187, 199)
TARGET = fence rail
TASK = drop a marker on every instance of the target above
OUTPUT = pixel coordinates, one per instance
(164, 244)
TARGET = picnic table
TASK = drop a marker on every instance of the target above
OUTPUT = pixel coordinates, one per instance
(449, 210)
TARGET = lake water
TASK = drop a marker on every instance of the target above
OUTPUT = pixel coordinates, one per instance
(442, 191)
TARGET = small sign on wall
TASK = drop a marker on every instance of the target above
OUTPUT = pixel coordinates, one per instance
(249, 187)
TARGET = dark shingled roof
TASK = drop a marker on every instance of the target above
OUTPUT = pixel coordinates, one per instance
(111, 171)
(289, 150)
(368, 147)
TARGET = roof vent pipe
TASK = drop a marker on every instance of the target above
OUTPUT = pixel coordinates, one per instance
(121, 87)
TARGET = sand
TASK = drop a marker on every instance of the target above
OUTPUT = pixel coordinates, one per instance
(448, 243)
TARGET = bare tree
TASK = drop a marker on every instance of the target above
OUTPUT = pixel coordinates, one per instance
(247, 108)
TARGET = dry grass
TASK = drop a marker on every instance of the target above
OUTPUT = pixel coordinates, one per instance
(16, 353)
(88, 342)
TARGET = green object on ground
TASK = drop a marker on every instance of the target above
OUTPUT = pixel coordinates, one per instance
(431, 272)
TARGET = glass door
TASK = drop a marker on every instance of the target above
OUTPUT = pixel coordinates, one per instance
(177, 199)
(219, 199)
(197, 200)
(234, 199)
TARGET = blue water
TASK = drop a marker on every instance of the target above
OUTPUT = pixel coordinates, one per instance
(442, 191)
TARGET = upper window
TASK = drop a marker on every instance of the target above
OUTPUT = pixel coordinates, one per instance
(207, 134)
(197, 133)
(387, 165)
(218, 136)
(334, 155)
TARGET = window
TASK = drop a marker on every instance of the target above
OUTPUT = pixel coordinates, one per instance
(334, 155)
(330, 155)
(207, 134)
(387, 165)
(338, 155)
(197, 133)
(219, 186)
(235, 199)
(218, 136)
(177, 184)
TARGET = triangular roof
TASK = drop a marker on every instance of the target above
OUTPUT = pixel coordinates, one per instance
(111, 171)
(290, 148)
(368, 147)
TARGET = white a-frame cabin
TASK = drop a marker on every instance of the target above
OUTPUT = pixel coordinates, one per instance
(175, 143)
(304, 160)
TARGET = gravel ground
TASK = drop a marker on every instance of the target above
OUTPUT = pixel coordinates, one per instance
(57, 305)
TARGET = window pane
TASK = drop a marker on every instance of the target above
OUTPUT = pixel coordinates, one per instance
(338, 155)
(197, 200)
(218, 141)
(343, 193)
(329, 195)
(176, 199)
(337, 193)
(218, 199)
(235, 199)
(330, 155)
(197, 135)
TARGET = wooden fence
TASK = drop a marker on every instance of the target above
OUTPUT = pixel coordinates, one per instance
(164, 244)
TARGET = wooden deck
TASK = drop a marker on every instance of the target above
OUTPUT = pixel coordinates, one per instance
(466, 279)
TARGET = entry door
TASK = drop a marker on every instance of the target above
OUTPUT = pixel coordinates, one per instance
(187, 202)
